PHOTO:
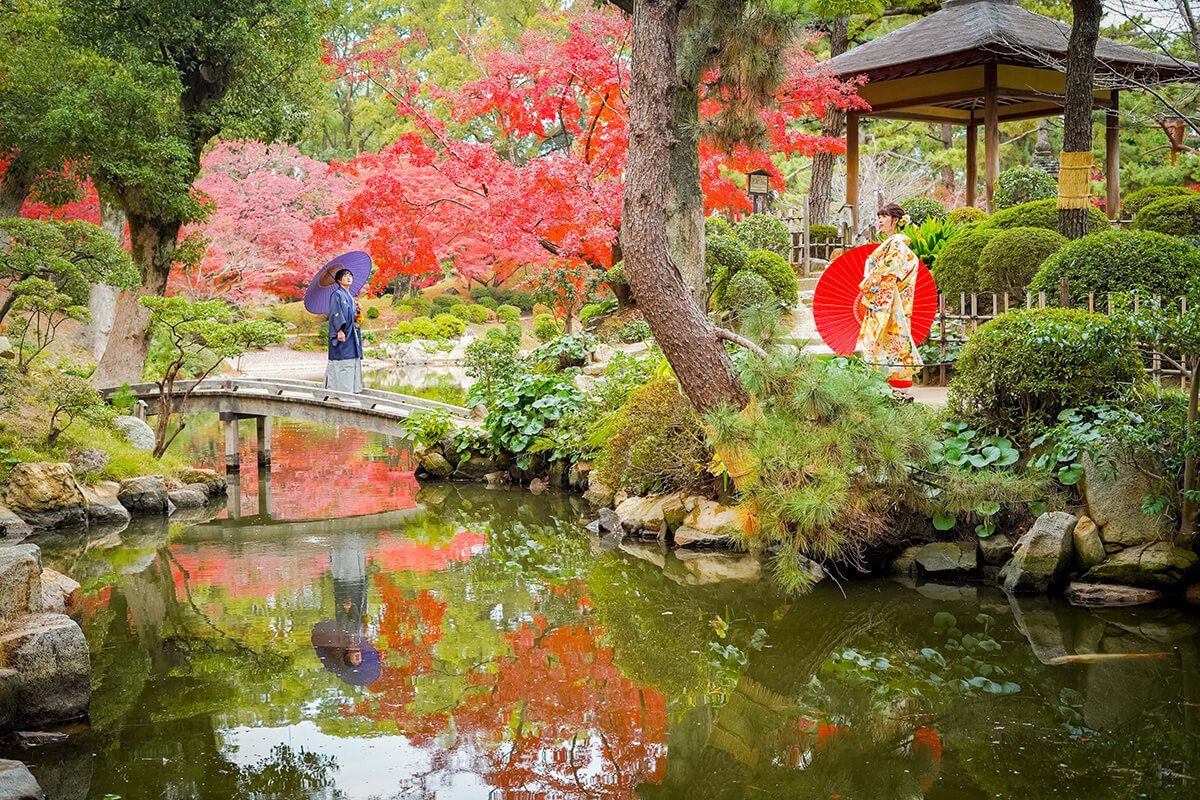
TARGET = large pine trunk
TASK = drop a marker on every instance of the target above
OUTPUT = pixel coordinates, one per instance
(1077, 111)
(685, 199)
(685, 334)
(152, 243)
(820, 191)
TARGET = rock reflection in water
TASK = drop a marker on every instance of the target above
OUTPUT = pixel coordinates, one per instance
(522, 657)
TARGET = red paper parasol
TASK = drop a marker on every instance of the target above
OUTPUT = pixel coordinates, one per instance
(837, 302)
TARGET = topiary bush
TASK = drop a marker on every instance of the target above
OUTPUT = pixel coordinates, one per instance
(1009, 261)
(546, 327)
(724, 253)
(372, 312)
(424, 327)
(1178, 215)
(487, 301)
(956, 268)
(748, 289)
(449, 325)
(462, 311)
(479, 313)
(446, 301)
(507, 313)
(1020, 185)
(920, 209)
(1043, 214)
(1138, 200)
(778, 274)
(764, 232)
(1120, 261)
(1018, 371)
(961, 216)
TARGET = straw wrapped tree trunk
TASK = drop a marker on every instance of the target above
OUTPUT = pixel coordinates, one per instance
(1074, 179)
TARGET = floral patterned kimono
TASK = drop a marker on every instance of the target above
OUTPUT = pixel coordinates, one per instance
(886, 306)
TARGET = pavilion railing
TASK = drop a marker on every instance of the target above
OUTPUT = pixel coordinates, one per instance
(959, 317)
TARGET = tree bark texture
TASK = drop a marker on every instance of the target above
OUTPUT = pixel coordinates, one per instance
(102, 301)
(1077, 111)
(152, 244)
(18, 182)
(820, 191)
(685, 199)
(685, 334)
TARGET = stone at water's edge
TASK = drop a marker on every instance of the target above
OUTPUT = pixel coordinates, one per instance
(577, 475)
(136, 432)
(87, 460)
(107, 515)
(1116, 506)
(188, 497)
(20, 581)
(1089, 547)
(45, 495)
(609, 521)
(475, 467)
(996, 549)
(10, 698)
(944, 557)
(598, 494)
(713, 523)
(1108, 595)
(50, 653)
(644, 515)
(17, 783)
(435, 464)
(213, 482)
(11, 524)
(60, 594)
(1156, 565)
(537, 486)
(145, 496)
(905, 564)
(1043, 555)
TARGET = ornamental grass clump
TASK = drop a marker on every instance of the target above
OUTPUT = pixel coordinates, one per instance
(1020, 370)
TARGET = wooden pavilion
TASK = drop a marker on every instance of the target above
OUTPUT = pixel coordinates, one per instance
(985, 62)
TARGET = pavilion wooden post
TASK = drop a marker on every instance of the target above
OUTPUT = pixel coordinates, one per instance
(972, 159)
(852, 170)
(991, 133)
(1112, 156)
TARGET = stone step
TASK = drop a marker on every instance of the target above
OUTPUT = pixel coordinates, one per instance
(807, 284)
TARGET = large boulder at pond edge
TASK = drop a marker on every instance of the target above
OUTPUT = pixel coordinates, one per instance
(1116, 506)
(87, 460)
(995, 550)
(434, 464)
(135, 431)
(20, 581)
(1043, 555)
(50, 653)
(45, 495)
(17, 783)
(11, 524)
(145, 496)
(1158, 565)
(214, 483)
(947, 558)
(60, 594)
(644, 515)
(1089, 547)
(709, 524)
(189, 497)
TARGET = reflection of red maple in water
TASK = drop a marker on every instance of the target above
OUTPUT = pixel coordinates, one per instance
(268, 574)
(319, 471)
(582, 728)
(404, 555)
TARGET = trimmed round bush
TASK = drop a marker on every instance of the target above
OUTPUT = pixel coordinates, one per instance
(462, 311)
(1009, 261)
(449, 325)
(424, 327)
(956, 268)
(372, 312)
(1043, 214)
(748, 289)
(479, 313)
(546, 327)
(1138, 200)
(922, 209)
(823, 233)
(1120, 261)
(1178, 215)
(724, 252)
(1018, 371)
(1020, 185)
(446, 301)
(961, 216)
(512, 328)
(507, 313)
(404, 328)
(764, 232)
(589, 311)
(488, 302)
(541, 309)
(777, 273)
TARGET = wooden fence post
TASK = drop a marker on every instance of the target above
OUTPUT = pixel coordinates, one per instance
(1064, 292)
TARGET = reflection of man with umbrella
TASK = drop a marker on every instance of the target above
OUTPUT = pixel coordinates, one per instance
(340, 642)
(332, 291)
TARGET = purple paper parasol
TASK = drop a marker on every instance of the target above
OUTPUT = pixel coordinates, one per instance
(321, 287)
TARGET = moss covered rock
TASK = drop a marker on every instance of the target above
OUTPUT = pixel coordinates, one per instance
(1155, 565)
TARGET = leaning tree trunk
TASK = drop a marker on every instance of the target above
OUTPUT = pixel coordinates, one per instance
(686, 336)
(18, 182)
(1074, 179)
(685, 199)
(820, 191)
(152, 244)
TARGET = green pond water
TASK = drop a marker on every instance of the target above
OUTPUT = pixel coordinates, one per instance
(340, 631)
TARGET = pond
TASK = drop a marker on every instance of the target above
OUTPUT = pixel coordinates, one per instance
(348, 633)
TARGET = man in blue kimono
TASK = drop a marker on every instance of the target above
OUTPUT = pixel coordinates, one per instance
(344, 373)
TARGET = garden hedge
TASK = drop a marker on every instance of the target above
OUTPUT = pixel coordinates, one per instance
(1009, 261)
(1120, 261)
(1178, 215)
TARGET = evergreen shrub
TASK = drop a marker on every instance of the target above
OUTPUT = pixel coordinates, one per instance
(778, 275)
(764, 232)
(961, 216)
(1120, 261)
(372, 312)
(487, 301)
(1020, 185)
(449, 325)
(1018, 371)
(1178, 215)
(1136, 201)
(512, 328)
(446, 301)
(507, 313)
(420, 306)
(748, 289)
(921, 209)
(1043, 214)
(462, 311)
(546, 327)
(956, 268)
(404, 328)
(479, 313)
(1009, 261)
(823, 233)
(724, 252)
(425, 328)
